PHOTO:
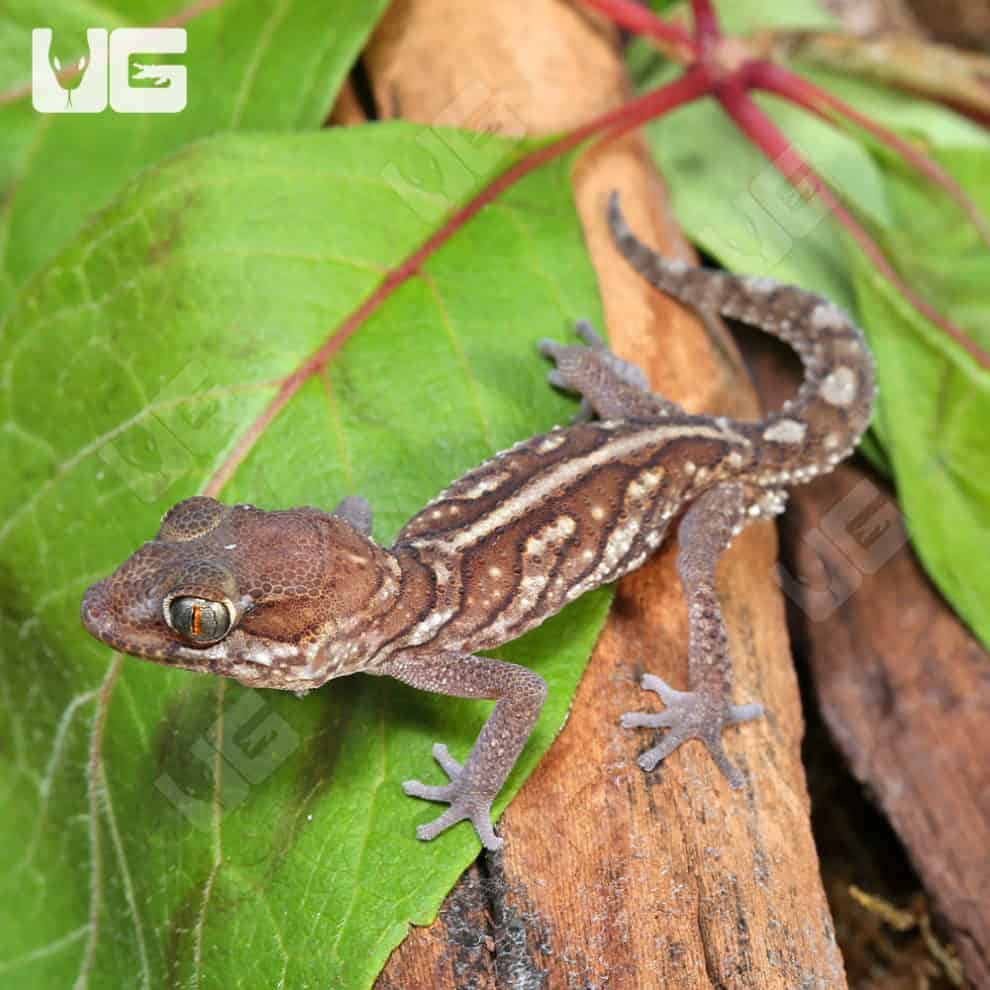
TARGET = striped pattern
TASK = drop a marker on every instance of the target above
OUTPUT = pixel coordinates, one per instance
(510, 543)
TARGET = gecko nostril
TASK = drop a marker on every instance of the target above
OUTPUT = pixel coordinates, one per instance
(93, 612)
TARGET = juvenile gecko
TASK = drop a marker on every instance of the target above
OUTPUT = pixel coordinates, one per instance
(293, 598)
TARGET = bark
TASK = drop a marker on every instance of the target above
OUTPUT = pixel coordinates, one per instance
(903, 686)
(611, 876)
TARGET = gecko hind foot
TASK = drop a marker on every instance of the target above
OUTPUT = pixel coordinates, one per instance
(690, 715)
(465, 802)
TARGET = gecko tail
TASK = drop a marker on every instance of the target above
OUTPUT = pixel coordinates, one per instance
(822, 425)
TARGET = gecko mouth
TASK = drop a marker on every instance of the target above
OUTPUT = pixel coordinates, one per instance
(94, 612)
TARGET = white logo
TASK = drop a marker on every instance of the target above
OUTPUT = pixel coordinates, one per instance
(106, 70)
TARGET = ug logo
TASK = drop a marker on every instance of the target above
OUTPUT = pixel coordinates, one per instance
(103, 76)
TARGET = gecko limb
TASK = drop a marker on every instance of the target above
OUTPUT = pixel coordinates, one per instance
(704, 711)
(609, 387)
(473, 786)
(357, 511)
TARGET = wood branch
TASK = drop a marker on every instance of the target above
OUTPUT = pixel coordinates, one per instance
(903, 686)
(611, 876)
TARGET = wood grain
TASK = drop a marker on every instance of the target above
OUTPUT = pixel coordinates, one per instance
(612, 877)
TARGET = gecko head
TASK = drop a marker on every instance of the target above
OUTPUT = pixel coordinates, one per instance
(237, 591)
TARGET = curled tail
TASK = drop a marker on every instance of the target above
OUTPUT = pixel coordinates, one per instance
(823, 424)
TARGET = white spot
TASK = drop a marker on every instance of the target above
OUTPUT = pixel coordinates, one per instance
(563, 527)
(690, 467)
(647, 482)
(441, 573)
(258, 654)
(831, 441)
(839, 389)
(785, 431)
(735, 459)
(597, 512)
(429, 626)
(827, 314)
(551, 442)
(588, 554)
(487, 484)
(759, 283)
(230, 546)
(495, 572)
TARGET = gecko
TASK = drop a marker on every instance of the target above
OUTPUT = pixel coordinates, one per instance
(293, 598)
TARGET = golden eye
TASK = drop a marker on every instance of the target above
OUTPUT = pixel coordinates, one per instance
(198, 620)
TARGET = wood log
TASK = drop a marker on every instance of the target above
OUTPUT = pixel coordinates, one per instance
(611, 876)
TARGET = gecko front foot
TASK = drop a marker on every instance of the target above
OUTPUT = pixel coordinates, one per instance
(465, 802)
(690, 715)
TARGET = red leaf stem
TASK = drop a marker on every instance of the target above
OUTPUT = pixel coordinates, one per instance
(756, 126)
(792, 87)
(691, 85)
(642, 21)
(707, 31)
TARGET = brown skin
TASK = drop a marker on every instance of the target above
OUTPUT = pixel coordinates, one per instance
(287, 579)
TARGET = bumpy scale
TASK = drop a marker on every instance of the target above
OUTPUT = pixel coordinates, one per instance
(291, 599)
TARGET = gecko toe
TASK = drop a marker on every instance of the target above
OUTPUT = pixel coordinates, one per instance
(428, 792)
(586, 332)
(745, 713)
(651, 758)
(644, 720)
(667, 694)
(449, 765)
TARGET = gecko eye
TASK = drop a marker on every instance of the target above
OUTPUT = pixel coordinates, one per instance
(198, 620)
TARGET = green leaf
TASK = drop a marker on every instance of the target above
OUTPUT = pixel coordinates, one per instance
(162, 828)
(934, 407)
(934, 401)
(249, 66)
